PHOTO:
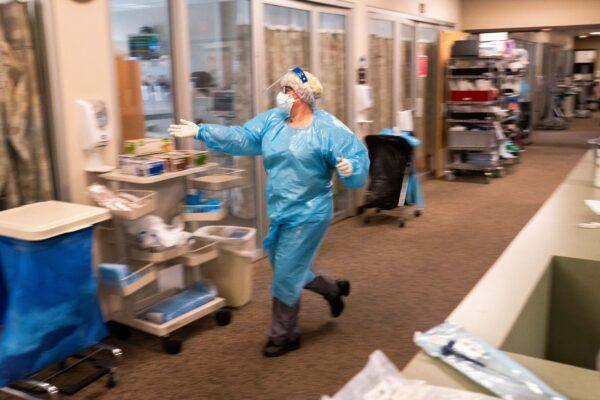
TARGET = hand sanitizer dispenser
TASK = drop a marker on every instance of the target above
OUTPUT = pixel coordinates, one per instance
(93, 125)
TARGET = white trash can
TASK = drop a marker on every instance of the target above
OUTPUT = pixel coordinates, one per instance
(231, 273)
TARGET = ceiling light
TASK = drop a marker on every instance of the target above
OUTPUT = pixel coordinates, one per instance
(594, 33)
(583, 36)
(546, 29)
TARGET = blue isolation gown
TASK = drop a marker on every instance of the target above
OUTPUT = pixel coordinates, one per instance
(299, 164)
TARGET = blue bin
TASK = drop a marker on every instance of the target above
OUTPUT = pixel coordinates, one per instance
(49, 308)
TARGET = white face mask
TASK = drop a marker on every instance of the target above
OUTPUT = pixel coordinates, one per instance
(284, 103)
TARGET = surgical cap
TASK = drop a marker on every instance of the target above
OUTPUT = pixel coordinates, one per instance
(309, 91)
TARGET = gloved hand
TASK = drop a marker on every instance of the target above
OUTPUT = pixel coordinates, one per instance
(187, 129)
(344, 167)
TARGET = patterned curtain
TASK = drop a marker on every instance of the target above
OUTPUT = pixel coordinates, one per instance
(333, 73)
(286, 48)
(25, 165)
(380, 77)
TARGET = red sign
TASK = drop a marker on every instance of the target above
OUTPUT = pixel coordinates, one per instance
(423, 65)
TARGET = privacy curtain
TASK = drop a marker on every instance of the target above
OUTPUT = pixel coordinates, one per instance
(25, 165)
(286, 47)
(333, 72)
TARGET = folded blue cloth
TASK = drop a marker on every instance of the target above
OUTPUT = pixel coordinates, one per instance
(116, 274)
(183, 302)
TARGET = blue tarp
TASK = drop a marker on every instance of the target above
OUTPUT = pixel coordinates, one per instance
(50, 309)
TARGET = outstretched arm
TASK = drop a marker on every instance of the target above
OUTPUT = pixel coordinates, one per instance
(243, 140)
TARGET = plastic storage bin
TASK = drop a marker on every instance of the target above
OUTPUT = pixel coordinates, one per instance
(232, 272)
(147, 203)
(472, 139)
(220, 179)
(137, 275)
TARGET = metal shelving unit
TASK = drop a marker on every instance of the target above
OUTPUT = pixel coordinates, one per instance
(123, 305)
(463, 143)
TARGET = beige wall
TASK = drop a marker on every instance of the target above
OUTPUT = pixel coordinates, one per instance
(82, 68)
(444, 10)
(506, 14)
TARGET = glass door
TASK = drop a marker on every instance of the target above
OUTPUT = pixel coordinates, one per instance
(221, 88)
(427, 38)
(287, 43)
(380, 74)
(331, 69)
(142, 47)
(407, 61)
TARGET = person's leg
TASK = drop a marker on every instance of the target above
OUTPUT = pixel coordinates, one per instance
(285, 333)
(324, 285)
(284, 323)
(332, 290)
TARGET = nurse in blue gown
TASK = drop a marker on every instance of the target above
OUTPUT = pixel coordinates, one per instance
(302, 147)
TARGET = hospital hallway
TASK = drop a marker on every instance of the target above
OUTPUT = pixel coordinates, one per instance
(403, 280)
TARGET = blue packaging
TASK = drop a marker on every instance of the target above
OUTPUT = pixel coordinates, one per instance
(183, 302)
(116, 274)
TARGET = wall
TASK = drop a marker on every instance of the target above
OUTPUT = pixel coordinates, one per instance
(82, 68)
(508, 14)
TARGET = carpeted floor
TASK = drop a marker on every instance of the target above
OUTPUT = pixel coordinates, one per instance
(403, 280)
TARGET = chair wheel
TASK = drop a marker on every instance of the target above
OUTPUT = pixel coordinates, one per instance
(366, 220)
(112, 381)
(401, 224)
(172, 346)
(223, 317)
(418, 213)
(119, 331)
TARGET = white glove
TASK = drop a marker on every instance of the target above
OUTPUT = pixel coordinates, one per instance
(344, 167)
(187, 129)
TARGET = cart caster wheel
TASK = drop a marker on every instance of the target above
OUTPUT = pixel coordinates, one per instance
(450, 176)
(366, 220)
(223, 317)
(500, 173)
(112, 381)
(401, 224)
(172, 346)
(488, 179)
(118, 330)
(418, 213)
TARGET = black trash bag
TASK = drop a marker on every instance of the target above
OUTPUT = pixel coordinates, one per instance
(389, 157)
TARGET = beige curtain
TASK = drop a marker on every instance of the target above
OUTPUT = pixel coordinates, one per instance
(333, 73)
(380, 77)
(25, 165)
(406, 71)
(286, 48)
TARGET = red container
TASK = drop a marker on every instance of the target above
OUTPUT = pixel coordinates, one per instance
(473, 95)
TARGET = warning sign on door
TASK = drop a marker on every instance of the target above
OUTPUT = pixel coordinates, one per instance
(423, 65)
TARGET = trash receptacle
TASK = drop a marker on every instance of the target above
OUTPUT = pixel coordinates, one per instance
(231, 273)
(595, 144)
(49, 303)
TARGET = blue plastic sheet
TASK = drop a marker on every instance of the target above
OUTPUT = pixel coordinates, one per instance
(51, 310)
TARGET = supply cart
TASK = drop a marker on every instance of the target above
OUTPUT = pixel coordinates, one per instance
(132, 301)
(390, 158)
(472, 120)
(50, 319)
